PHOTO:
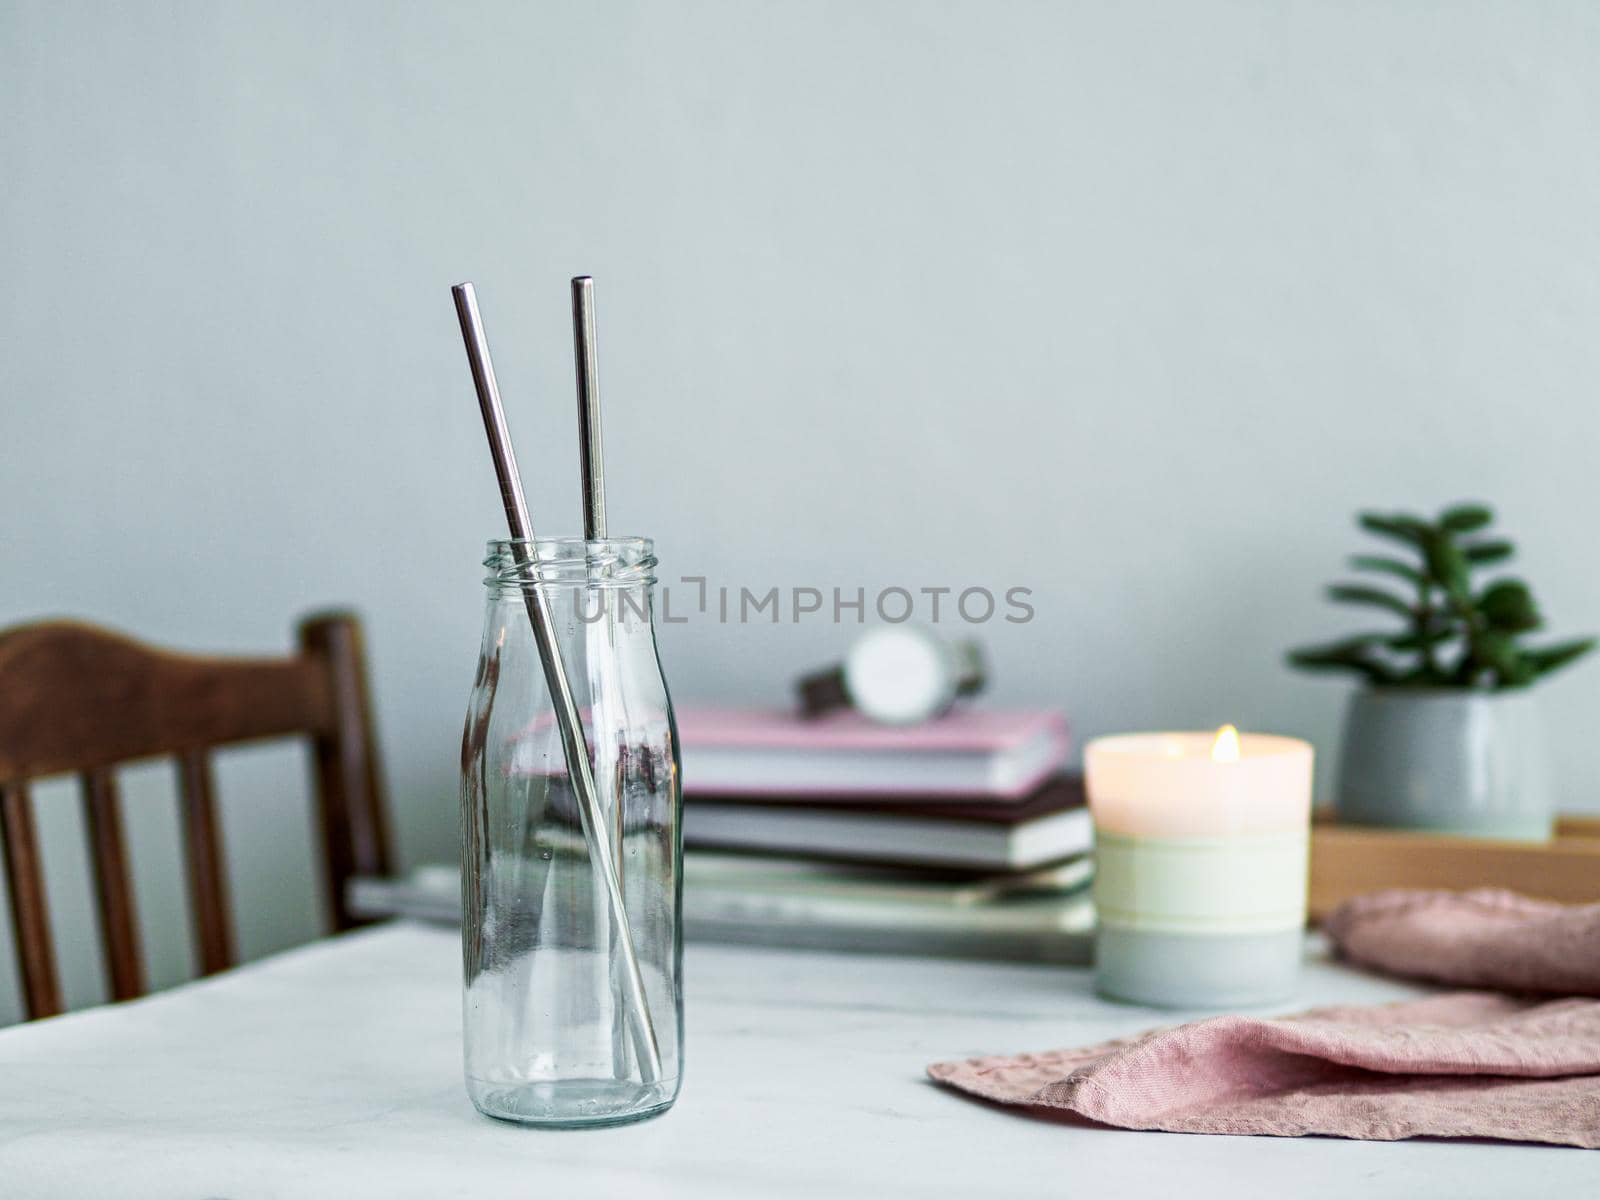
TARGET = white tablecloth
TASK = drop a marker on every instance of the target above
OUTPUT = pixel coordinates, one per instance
(334, 1071)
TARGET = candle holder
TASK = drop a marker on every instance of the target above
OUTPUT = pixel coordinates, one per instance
(1201, 848)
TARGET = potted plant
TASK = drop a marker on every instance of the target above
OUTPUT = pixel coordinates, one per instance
(1444, 735)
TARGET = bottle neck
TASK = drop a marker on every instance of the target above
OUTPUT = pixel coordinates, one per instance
(559, 565)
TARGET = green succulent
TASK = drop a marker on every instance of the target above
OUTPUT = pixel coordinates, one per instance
(1455, 634)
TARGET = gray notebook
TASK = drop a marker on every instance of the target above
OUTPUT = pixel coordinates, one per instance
(1043, 916)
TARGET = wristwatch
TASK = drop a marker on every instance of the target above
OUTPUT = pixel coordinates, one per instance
(898, 675)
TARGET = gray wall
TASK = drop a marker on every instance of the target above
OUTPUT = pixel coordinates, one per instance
(1131, 304)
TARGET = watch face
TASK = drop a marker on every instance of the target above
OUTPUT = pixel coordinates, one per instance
(899, 676)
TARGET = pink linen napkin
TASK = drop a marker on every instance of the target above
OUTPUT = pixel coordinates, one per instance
(1486, 938)
(1466, 1064)
(1462, 1064)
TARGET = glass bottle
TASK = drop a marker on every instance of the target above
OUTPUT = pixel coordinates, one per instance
(551, 1037)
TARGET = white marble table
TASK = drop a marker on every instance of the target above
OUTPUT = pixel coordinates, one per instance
(334, 1071)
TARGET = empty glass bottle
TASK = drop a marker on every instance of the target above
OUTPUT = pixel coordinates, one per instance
(553, 1035)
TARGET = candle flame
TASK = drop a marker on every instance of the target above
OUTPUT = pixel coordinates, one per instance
(1226, 747)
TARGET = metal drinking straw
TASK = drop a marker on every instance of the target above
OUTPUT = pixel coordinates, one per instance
(573, 743)
(588, 364)
(606, 701)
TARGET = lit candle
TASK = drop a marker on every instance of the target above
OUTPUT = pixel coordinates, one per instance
(1200, 865)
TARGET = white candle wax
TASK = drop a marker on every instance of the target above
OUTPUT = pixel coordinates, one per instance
(1189, 785)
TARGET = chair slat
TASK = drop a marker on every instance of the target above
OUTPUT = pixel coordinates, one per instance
(208, 880)
(30, 919)
(119, 925)
(349, 793)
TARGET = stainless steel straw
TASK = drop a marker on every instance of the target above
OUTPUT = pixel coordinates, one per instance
(588, 364)
(573, 743)
(605, 689)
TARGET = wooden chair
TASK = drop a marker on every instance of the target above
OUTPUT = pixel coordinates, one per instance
(77, 699)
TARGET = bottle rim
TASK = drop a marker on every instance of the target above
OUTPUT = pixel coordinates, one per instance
(575, 562)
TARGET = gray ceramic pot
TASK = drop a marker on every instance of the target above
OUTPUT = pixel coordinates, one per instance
(1448, 760)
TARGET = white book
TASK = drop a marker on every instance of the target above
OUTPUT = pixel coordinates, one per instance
(1050, 825)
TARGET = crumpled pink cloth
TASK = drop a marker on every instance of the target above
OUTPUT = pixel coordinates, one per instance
(1462, 1064)
(1487, 938)
(1466, 1064)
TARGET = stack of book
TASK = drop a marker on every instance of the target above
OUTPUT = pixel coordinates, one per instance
(961, 836)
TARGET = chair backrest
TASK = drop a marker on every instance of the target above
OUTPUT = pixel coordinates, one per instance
(78, 699)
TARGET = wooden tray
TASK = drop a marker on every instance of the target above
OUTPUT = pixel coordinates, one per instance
(1347, 860)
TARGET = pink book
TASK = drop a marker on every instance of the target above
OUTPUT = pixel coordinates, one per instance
(969, 755)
